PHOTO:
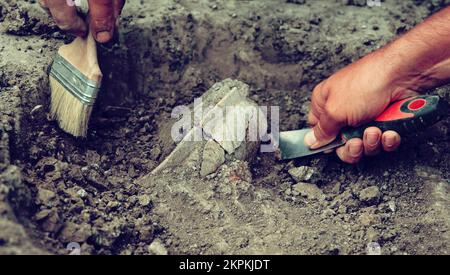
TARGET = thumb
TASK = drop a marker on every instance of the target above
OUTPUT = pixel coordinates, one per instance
(65, 16)
(102, 21)
(324, 132)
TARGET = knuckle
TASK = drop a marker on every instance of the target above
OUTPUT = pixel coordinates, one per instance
(43, 4)
(64, 24)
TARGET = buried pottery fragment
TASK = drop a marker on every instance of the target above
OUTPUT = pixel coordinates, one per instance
(226, 126)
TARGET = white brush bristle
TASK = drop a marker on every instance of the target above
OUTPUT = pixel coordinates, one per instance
(72, 115)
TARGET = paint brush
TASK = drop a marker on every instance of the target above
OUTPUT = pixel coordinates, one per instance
(75, 80)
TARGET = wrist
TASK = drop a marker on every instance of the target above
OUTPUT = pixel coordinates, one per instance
(415, 66)
(407, 66)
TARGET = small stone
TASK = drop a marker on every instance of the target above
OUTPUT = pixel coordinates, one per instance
(75, 233)
(155, 152)
(96, 179)
(336, 188)
(42, 214)
(328, 213)
(92, 157)
(144, 200)
(157, 248)
(389, 235)
(82, 193)
(112, 205)
(372, 235)
(370, 195)
(369, 218)
(45, 196)
(392, 206)
(302, 173)
(146, 233)
(51, 223)
(310, 191)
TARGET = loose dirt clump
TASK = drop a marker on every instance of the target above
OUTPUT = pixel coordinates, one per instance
(98, 192)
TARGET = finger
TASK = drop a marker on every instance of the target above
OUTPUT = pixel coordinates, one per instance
(118, 6)
(326, 128)
(102, 20)
(324, 132)
(317, 101)
(44, 6)
(372, 141)
(391, 141)
(312, 119)
(66, 17)
(352, 151)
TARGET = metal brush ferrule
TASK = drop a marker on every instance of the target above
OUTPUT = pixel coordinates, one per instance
(74, 81)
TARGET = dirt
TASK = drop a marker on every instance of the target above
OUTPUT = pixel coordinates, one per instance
(97, 192)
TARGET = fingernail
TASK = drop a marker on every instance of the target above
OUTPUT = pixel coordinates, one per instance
(389, 141)
(103, 36)
(310, 138)
(355, 150)
(372, 139)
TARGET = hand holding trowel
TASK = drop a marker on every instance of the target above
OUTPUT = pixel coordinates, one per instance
(404, 117)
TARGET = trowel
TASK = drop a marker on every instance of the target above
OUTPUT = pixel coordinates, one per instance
(406, 116)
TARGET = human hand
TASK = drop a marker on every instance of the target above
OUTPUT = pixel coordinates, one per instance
(103, 15)
(355, 95)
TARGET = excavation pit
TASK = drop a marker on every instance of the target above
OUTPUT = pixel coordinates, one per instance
(100, 193)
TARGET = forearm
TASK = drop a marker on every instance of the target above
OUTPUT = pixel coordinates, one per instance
(421, 58)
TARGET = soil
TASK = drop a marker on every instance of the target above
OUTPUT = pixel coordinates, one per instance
(56, 190)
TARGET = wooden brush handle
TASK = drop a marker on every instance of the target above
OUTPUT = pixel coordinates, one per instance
(82, 54)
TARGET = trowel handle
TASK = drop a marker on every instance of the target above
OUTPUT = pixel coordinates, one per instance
(405, 116)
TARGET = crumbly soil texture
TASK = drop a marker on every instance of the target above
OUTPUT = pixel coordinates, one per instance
(57, 192)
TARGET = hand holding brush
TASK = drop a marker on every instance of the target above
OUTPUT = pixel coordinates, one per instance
(75, 76)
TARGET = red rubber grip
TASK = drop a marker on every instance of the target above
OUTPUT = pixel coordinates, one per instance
(404, 116)
(394, 111)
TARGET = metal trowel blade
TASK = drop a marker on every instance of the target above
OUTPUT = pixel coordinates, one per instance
(292, 144)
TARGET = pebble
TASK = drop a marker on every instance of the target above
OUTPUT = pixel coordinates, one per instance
(392, 206)
(157, 248)
(370, 195)
(45, 196)
(42, 214)
(155, 152)
(369, 218)
(51, 221)
(144, 200)
(82, 193)
(96, 179)
(310, 191)
(302, 173)
(328, 213)
(75, 233)
(372, 235)
(112, 205)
